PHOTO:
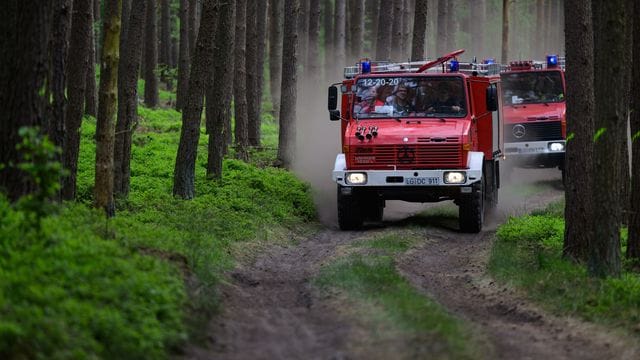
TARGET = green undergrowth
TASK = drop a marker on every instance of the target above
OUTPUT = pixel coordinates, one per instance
(528, 254)
(367, 274)
(135, 285)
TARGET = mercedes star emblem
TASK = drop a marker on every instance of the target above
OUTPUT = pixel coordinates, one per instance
(518, 131)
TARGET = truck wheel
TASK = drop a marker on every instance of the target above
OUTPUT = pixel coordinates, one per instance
(350, 216)
(471, 209)
(491, 175)
(373, 210)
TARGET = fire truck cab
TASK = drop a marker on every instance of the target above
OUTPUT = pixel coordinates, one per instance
(535, 113)
(418, 132)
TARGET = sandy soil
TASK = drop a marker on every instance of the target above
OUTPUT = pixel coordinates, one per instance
(270, 310)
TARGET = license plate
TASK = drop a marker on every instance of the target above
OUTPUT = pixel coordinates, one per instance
(422, 181)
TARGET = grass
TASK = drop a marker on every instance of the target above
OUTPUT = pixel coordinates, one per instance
(368, 276)
(138, 285)
(528, 254)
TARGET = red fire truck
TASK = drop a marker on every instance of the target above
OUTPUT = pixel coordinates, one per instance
(535, 113)
(418, 132)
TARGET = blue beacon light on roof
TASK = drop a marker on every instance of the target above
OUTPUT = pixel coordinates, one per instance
(454, 65)
(365, 66)
(552, 60)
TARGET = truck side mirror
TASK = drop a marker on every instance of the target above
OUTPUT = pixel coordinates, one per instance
(492, 98)
(333, 103)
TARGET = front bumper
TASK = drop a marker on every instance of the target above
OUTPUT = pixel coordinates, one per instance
(535, 153)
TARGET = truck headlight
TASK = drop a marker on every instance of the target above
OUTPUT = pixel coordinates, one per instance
(455, 177)
(556, 146)
(356, 178)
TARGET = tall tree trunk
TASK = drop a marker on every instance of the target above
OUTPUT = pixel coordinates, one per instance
(407, 28)
(218, 112)
(303, 32)
(539, 28)
(396, 31)
(373, 8)
(193, 27)
(275, 53)
(57, 78)
(128, 96)
(340, 29)
(419, 31)
(261, 24)
(452, 25)
(185, 169)
(240, 83)
(313, 49)
(579, 153)
(105, 129)
(329, 29)
(23, 67)
(356, 28)
(251, 58)
(77, 65)
(633, 243)
(184, 56)
(164, 56)
(610, 118)
(383, 42)
(97, 34)
(478, 15)
(442, 35)
(287, 131)
(151, 58)
(505, 31)
(91, 93)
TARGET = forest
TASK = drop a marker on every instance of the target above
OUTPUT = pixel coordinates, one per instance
(163, 185)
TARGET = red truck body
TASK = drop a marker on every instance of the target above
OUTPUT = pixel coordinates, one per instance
(415, 150)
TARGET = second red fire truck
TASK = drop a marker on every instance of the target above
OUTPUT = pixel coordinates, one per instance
(418, 132)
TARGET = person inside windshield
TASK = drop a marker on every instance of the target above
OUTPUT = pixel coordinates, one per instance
(445, 101)
(401, 102)
(425, 94)
(368, 101)
(545, 89)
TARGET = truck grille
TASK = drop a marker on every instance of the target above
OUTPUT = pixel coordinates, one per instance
(538, 131)
(404, 157)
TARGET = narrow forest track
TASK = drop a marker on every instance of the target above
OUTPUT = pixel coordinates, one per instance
(272, 311)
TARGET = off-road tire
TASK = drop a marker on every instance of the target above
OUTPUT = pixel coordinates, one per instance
(373, 210)
(350, 215)
(471, 209)
(491, 174)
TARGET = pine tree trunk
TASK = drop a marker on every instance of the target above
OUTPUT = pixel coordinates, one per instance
(105, 124)
(97, 34)
(275, 53)
(419, 31)
(357, 30)
(128, 96)
(478, 15)
(303, 33)
(372, 9)
(151, 58)
(91, 93)
(193, 27)
(218, 112)
(313, 49)
(253, 112)
(452, 25)
(610, 118)
(407, 28)
(329, 29)
(442, 35)
(164, 56)
(633, 243)
(57, 78)
(539, 26)
(505, 31)
(240, 83)
(184, 56)
(77, 65)
(340, 35)
(201, 67)
(23, 67)
(261, 24)
(579, 153)
(287, 131)
(383, 42)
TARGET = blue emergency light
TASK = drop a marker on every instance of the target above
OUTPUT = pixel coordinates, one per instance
(489, 61)
(454, 65)
(552, 60)
(365, 66)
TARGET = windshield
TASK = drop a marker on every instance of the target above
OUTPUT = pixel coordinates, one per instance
(409, 96)
(532, 87)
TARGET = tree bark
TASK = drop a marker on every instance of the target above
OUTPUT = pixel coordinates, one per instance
(193, 27)
(329, 29)
(505, 31)
(240, 83)
(313, 49)
(218, 111)
(261, 24)
(105, 129)
(151, 58)
(77, 65)
(340, 28)
(275, 52)
(579, 153)
(383, 42)
(91, 93)
(303, 32)
(97, 34)
(128, 96)
(184, 56)
(452, 25)
(478, 15)
(357, 28)
(57, 78)
(185, 168)
(251, 58)
(633, 243)
(23, 67)
(287, 131)
(610, 118)
(164, 57)
(442, 35)
(396, 31)
(419, 31)
(407, 28)
(372, 9)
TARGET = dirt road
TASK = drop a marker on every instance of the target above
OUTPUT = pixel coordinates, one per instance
(271, 311)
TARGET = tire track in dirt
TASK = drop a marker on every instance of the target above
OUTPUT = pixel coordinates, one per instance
(451, 270)
(271, 311)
